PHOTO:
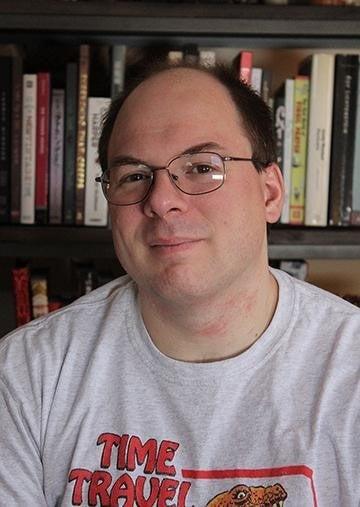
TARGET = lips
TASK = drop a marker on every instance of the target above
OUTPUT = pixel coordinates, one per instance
(168, 242)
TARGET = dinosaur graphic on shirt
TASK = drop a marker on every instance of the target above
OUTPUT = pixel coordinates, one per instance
(250, 496)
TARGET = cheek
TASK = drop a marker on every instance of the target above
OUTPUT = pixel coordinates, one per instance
(124, 225)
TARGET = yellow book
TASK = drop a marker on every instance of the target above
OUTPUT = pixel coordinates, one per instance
(299, 149)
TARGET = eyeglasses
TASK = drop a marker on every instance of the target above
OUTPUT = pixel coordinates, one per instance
(193, 173)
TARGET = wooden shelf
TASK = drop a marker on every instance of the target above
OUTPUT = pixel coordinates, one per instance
(88, 242)
(159, 19)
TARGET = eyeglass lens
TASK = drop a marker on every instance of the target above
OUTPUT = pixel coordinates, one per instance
(196, 173)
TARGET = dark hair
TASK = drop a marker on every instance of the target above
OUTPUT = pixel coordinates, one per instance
(255, 114)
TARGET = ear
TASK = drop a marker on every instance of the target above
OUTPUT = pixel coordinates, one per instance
(273, 188)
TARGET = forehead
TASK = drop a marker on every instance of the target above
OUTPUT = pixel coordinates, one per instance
(177, 108)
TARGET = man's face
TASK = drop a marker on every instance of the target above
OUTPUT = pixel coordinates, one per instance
(179, 247)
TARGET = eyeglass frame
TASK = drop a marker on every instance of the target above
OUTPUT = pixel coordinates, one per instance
(153, 169)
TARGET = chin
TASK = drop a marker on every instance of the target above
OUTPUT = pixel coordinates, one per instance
(180, 285)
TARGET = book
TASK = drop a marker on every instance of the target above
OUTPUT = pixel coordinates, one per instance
(83, 90)
(320, 68)
(42, 148)
(244, 66)
(266, 85)
(287, 152)
(15, 53)
(190, 53)
(96, 209)
(207, 57)
(342, 152)
(279, 124)
(39, 294)
(299, 149)
(71, 99)
(28, 149)
(56, 156)
(21, 290)
(16, 118)
(175, 56)
(355, 211)
(256, 79)
(5, 139)
(118, 69)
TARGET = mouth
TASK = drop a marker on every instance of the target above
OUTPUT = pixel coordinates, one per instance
(173, 244)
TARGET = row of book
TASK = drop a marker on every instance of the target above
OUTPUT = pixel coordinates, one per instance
(317, 125)
(33, 295)
(48, 142)
(50, 126)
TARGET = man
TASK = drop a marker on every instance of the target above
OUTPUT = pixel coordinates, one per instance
(203, 378)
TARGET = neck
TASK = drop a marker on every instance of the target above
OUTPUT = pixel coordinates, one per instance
(212, 328)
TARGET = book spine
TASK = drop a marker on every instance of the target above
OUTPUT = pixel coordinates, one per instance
(191, 53)
(355, 213)
(279, 123)
(245, 66)
(28, 149)
(56, 156)
(207, 57)
(118, 70)
(299, 150)
(256, 79)
(42, 148)
(321, 71)
(96, 210)
(17, 85)
(39, 295)
(71, 93)
(342, 155)
(175, 56)
(21, 289)
(289, 113)
(266, 85)
(83, 90)
(5, 143)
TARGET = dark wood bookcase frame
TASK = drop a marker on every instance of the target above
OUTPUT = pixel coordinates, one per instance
(139, 23)
(143, 23)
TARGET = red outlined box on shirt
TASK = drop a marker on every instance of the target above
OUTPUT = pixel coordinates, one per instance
(285, 473)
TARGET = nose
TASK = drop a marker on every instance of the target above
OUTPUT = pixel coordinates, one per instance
(164, 196)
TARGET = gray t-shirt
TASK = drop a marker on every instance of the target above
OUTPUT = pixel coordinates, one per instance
(91, 413)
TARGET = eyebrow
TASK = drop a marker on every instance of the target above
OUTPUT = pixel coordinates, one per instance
(128, 159)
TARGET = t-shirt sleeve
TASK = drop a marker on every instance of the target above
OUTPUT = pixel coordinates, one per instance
(21, 473)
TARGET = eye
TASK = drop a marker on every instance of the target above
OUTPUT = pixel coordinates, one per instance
(128, 174)
(202, 168)
(241, 495)
(134, 177)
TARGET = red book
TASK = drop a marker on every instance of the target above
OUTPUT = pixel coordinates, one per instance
(42, 148)
(21, 288)
(245, 66)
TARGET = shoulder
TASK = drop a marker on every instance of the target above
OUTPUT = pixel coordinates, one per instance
(69, 327)
(314, 300)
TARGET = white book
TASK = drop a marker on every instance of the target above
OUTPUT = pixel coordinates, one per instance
(207, 57)
(256, 79)
(287, 153)
(56, 156)
(319, 139)
(28, 149)
(96, 209)
(175, 56)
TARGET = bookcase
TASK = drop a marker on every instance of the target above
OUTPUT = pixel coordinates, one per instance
(276, 31)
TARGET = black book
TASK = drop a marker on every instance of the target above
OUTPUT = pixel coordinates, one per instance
(5, 137)
(71, 92)
(343, 139)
